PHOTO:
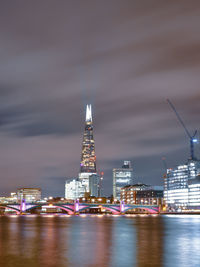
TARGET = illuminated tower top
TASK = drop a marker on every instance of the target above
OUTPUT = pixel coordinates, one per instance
(88, 158)
(88, 113)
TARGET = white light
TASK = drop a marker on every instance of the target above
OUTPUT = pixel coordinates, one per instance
(88, 113)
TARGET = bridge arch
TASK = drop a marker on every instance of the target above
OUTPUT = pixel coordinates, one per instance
(62, 207)
(150, 209)
(11, 208)
(113, 209)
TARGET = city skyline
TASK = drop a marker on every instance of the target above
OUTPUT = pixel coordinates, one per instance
(53, 63)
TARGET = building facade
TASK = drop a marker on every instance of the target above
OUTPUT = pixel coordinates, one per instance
(74, 189)
(29, 194)
(122, 177)
(88, 157)
(181, 186)
(194, 193)
(94, 180)
(142, 194)
(10, 199)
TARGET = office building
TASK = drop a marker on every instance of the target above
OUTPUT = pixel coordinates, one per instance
(179, 185)
(194, 193)
(94, 181)
(74, 189)
(11, 199)
(142, 194)
(29, 194)
(122, 177)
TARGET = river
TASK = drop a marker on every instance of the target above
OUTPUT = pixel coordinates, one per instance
(100, 240)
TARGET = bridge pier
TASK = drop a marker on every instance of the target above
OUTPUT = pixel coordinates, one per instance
(122, 207)
(76, 207)
(23, 206)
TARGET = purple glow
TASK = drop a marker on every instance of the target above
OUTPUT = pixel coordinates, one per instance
(23, 205)
(122, 207)
(77, 206)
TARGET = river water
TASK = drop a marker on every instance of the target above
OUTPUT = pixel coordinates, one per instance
(100, 240)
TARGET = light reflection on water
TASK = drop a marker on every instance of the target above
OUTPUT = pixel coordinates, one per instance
(99, 240)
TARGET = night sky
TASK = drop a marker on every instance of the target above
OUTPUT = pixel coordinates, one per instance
(123, 57)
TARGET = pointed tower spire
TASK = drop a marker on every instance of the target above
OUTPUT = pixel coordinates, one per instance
(88, 158)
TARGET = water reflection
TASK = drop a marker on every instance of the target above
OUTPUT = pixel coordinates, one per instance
(62, 241)
(182, 240)
(149, 241)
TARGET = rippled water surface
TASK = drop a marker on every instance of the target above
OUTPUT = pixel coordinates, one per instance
(100, 240)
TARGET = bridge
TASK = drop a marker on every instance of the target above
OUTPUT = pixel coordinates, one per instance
(76, 207)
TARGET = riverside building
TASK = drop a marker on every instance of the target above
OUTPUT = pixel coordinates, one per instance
(142, 194)
(29, 194)
(10, 199)
(182, 187)
(121, 177)
(194, 193)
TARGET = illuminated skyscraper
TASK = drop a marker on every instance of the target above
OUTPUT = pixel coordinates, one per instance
(88, 158)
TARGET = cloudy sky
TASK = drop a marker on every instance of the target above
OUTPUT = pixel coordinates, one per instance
(123, 57)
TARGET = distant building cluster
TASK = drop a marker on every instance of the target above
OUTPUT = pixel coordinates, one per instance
(181, 184)
(10, 199)
(124, 189)
(88, 182)
(23, 194)
(121, 177)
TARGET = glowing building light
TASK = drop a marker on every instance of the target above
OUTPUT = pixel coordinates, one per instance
(88, 113)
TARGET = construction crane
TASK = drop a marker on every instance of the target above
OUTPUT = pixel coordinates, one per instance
(164, 163)
(191, 137)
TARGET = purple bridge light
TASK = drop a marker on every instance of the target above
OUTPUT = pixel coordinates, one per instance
(76, 207)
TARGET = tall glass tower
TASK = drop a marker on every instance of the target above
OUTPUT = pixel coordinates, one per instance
(88, 158)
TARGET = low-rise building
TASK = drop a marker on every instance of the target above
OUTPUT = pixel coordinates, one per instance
(29, 194)
(142, 194)
(10, 199)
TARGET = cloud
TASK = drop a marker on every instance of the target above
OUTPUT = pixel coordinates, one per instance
(125, 59)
